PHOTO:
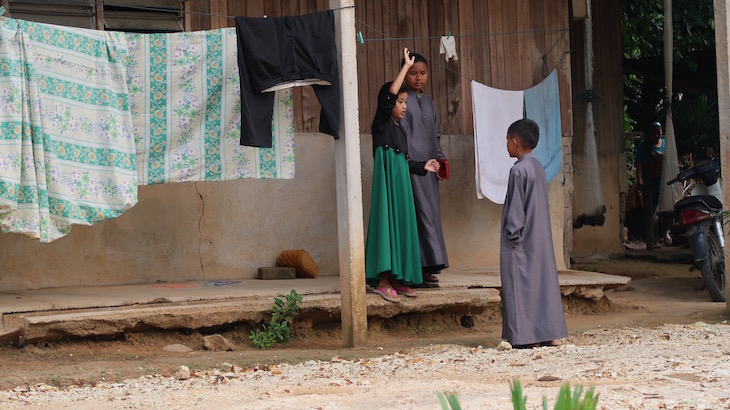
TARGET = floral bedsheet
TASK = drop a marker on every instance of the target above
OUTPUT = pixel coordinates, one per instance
(186, 111)
(67, 152)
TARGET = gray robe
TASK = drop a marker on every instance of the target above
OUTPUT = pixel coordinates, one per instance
(424, 143)
(532, 305)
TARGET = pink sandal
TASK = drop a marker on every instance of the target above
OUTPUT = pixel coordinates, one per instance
(388, 294)
(406, 290)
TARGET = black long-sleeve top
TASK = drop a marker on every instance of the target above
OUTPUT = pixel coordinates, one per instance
(389, 134)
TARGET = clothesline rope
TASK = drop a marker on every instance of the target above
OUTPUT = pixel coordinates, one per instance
(438, 62)
(386, 37)
(504, 33)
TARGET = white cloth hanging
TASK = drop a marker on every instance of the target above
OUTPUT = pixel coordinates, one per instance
(447, 46)
(494, 111)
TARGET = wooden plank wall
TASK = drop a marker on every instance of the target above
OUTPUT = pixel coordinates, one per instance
(607, 80)
(500, 43)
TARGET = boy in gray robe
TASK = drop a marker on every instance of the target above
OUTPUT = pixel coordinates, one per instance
(532, 306)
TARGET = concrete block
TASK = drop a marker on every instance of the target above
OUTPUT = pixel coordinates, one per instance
(277, 272)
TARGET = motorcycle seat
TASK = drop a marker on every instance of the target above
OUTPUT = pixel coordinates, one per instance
(706, 201)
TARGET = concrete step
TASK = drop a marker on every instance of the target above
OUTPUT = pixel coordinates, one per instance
(107, 322)
(104, 311)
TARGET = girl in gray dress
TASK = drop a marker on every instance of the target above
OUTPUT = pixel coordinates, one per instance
(424, 142)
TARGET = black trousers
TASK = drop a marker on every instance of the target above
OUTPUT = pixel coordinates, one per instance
(277, 50)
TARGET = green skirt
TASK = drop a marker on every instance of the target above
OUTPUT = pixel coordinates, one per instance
(392, 240)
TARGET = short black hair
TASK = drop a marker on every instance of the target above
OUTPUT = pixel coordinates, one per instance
(416, 58)
(527, 131)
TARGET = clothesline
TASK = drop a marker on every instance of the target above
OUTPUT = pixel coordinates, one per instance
(440, 64)
(504, 33)
(386, 37)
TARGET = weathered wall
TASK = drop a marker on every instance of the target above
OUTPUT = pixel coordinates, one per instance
(192, 231)
(226, 230)
(605, 240)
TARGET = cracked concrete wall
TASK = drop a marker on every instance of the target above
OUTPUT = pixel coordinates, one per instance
(192, 231)
(226, 230)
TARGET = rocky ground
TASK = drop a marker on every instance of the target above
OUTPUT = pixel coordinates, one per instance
(658, 344)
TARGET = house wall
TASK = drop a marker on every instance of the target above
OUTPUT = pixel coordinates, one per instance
(226, 230)
(609, 124)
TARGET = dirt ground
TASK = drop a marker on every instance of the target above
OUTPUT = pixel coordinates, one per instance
(659, 293)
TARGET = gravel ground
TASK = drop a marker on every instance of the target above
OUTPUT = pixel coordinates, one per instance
(666, 367)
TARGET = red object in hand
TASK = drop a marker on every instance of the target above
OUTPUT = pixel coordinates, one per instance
(444, 168)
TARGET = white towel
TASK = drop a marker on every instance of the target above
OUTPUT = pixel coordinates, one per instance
(494, 111)
(448, 46)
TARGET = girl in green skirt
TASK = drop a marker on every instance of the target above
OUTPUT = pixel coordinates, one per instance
(392, 256)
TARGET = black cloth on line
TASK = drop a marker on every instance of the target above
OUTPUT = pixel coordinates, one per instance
(278, 50)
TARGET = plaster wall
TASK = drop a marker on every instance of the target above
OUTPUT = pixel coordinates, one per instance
(606, 239)
(192, 231)
(226, 230)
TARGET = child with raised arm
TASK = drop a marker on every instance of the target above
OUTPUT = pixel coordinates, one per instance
(392, 257)
(532, 305)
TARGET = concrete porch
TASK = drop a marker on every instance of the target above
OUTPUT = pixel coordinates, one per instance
(45, 314)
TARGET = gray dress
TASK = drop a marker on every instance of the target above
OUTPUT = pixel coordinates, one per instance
(532, 305)
(424, 143)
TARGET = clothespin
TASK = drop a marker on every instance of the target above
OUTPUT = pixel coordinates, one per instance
(448, 34)
(2, 10)
(359, 37)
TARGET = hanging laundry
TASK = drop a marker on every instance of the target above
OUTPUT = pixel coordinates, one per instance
(542, 105)
(67, 153)
(186, 106)
(283, 52)
(494, 111)
(447, 46)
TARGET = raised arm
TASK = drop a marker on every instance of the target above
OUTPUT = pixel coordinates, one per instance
(398, 81)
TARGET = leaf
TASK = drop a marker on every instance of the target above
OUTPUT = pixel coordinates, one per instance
(518, 400)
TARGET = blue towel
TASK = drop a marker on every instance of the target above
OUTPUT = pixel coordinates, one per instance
(542, 105)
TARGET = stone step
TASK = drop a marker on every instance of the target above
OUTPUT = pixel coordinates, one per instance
(107, 322)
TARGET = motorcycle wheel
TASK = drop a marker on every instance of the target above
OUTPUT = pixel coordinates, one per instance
(713, 269)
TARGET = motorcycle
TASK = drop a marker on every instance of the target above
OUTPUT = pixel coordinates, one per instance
(701, 215)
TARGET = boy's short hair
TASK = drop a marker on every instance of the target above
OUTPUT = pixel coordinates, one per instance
(527, 131)
(416, 58)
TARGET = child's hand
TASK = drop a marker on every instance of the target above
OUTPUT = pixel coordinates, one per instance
(432, 165)
(409, 60)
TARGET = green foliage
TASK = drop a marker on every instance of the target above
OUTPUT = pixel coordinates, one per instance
(697, 121)
(282, 314)
(642, 27)
(519, 401)
(448, 401)
(566, 400)
(694, 104)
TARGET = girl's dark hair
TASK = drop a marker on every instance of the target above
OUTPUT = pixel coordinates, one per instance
(527, 131)
(416, 58)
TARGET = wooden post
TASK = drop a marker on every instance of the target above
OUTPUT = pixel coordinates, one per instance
(722, 50)
(100, 14)
(349, 185)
